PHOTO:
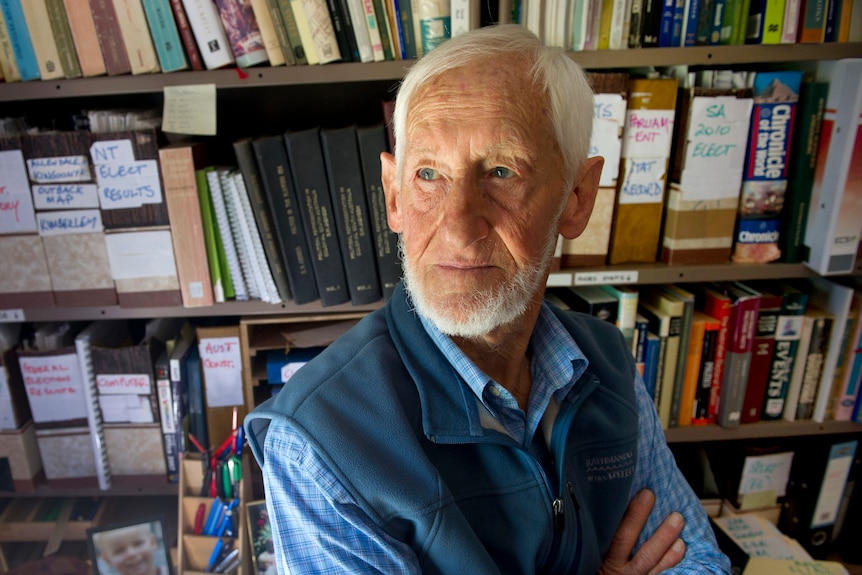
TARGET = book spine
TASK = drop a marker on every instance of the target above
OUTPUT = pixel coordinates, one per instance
(168, 425)
(692, 18)
(297, 7)
(764, 180)
(218, 276)
(404, 9)
(803, 159)
(714, 37)
(292, 29)
(63, 37)
(19, 38)
(812, 22)
(181, 195)
(666, 25)
(272, 163)
(281, 32)
(700, 411)
(42, 37)
(242, 33)
(83, 29)
(383, 23)
(820, 335)
(635, 36)
(761, 360)
(340, 29)
(773, 21)
(260, 265)
(322, 32)
(231, 257)
(166, 36)
(206, 24)
(743, 323)
(677, 24)
(356, 12)
(754, 22)
(136, 36)
(309, 177)
(187, 35)
(8, 65)
(262, 216)
(268, 36)
(830, 22)
(372, 141)
(347, 192)
(790, 23)
(373, 30)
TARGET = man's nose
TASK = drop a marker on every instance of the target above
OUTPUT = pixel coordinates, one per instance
(465, 215)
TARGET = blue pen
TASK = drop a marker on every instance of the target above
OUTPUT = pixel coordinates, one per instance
(213, 518)
(214, 556)
(240, 437)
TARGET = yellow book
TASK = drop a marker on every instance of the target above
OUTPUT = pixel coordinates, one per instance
(39, 27)
(8, 65)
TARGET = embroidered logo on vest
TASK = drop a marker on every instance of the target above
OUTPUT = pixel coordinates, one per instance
(610, 467)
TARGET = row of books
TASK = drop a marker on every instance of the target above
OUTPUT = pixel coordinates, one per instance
(718, 165)
(620, 24)
(51, 39)
(113, 402)
(125, 218)
(734, 352)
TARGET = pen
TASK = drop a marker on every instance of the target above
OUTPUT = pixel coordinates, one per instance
(214, 556)
(221, 567)
(199, 518)
(215, 513)
(240, 439)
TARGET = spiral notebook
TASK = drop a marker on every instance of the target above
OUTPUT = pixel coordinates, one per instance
(269, 291)
(224, 230)
(241, 238)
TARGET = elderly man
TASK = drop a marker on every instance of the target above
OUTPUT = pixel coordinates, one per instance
(468, 427)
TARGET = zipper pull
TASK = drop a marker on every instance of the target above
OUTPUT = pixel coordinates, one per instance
(559, 519)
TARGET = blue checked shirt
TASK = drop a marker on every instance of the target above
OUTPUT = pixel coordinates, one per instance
(318, 528)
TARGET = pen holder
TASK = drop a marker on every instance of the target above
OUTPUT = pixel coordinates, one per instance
(196, 550)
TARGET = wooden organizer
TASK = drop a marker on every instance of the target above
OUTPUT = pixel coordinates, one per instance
(194, 550)
(20, 520)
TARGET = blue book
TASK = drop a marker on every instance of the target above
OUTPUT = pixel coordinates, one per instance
(651, 358)
(665, 31)
(19, 38)
(166, 36)
(691, 20)
(677, 22)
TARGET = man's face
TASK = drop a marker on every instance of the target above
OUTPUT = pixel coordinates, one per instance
(479, 197)
(130, 550)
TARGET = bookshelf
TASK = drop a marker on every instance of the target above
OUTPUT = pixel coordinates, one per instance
(336, 93)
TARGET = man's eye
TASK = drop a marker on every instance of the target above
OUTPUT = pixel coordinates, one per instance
(427, 174)
(499, 172)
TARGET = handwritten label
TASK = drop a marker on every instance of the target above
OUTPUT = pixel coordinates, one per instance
(222, 367)
(11, 315)
(648, 133)
(135, 383)
(16, 203)
(69, 222)
(766, 473)
(190, 110)
(606, 277)
(643, 182)
(54, 387)
(758, 537)
(7, 413)
(608, 116)
(112, 151)
(128, 184)
(59, 169)
(715, 148)
(125, 409)
(134, 255)
(65, 196)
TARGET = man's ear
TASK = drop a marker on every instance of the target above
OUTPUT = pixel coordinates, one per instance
(582, 197)
(390, 189)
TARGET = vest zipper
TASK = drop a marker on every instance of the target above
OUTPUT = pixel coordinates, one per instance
(559, 514)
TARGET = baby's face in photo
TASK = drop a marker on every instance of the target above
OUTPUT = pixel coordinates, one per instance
(129, 550)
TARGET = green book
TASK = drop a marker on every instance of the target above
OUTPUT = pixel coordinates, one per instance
(800, 177)
(292, 32)
(63, 37)
(222, 283)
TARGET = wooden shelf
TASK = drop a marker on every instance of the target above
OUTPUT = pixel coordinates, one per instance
(394, 70)
(698, 433)
(121, 487)
(643, 273)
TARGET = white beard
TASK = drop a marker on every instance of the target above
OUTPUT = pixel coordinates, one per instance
(484, 311)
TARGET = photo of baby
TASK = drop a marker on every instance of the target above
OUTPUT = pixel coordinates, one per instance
(129, 549)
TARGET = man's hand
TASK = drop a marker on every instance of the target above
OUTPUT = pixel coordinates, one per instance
(661, 551)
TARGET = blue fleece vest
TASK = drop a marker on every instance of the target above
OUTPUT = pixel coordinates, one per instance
(401, 430)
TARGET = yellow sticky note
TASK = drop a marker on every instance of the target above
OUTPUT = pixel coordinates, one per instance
(190, 110)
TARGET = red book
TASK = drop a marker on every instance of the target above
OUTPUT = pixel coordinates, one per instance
(717, 304)
(761, 356)
(187, 35)
(110, 37)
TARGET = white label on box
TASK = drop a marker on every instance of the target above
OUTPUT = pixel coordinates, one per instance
(121, 383)
(59, 169)
(222, 367)
(54, 387)
(606, 277)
